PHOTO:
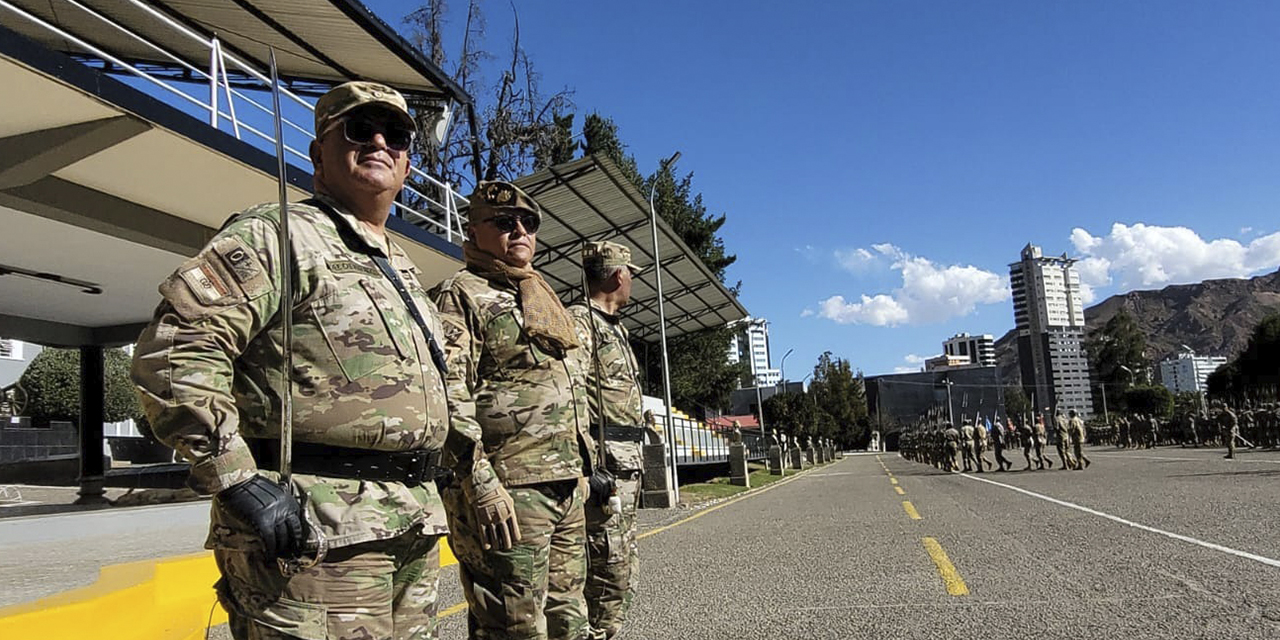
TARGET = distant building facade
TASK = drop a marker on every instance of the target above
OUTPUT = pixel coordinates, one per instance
(750, 344)
(946, 362)
(1049, 317)
(980, 350)
(1188, 371)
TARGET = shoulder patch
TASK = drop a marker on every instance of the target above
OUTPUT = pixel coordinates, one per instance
(244, 265)
(205, 282)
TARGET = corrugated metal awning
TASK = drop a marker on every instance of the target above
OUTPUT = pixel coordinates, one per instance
(324, 41)
(589, 199)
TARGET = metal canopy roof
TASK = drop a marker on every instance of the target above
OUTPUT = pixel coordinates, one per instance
(589, 199)
(327, 41)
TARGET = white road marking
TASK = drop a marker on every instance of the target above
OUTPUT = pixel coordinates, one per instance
(19, 504)
(1176, 536)
(952, 603)
(1237, 460)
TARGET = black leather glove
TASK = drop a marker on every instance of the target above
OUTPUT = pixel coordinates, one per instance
(602, 485)
(273, 513)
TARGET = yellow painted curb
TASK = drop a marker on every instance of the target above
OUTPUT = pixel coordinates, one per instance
(162, 599)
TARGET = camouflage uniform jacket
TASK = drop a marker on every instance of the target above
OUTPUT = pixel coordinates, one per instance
(1077, 430)
(208, 366)
(611, 363)
(519, 415)
(1062, 428)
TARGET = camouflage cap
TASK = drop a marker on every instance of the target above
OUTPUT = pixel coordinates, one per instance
(608, 254)
(490, 198)
(349, 95)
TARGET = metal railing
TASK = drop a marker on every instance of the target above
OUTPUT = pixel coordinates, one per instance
(436, 213)
(695, 443)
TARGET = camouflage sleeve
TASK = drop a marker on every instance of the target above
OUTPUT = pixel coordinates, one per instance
(585, 356)
(463, 445)
(183, 365)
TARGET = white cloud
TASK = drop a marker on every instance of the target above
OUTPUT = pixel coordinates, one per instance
(912, 358)
(1147, 256)
(1244, 231)
(929, 293)
(906, 369)
(807, 312)
(855, 260)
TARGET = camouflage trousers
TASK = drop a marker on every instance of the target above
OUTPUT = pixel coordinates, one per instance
(613, 562)
(533, 591)
(378, 589)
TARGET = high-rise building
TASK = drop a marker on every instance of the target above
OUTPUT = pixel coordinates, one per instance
(1049, 317)
(980, 350)
(750, 343)
(1188, 371)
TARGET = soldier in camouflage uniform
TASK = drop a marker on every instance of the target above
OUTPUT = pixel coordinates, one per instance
(1075, 426)
(519, 443)
(1062, 432)
(369, 405)
(614, 390)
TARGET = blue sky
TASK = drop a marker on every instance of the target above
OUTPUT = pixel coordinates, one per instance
(881, 163)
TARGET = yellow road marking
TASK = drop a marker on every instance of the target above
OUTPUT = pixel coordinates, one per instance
(950, 577)
(911, 510)
(900, 491)
(893, 480)
(461, 606)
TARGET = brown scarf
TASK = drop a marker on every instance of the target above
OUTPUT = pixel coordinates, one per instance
(545, 320)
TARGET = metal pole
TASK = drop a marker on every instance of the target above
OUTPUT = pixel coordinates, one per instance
(950, 416)
(662, 327)
(1105, 415)
(285, 270)
(782, 371)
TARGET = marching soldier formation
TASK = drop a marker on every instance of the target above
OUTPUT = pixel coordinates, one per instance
(408, 414)
(930, 441)
(934, 441)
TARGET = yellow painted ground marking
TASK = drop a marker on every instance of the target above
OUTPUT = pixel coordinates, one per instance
(893, 481)
(900, 491)
(950, 577)
(461, 606)
(911, 510)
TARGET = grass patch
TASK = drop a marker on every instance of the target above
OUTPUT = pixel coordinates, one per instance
(719, 487)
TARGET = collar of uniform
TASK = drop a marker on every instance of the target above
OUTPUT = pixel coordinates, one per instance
(611, 317)
(353, 223)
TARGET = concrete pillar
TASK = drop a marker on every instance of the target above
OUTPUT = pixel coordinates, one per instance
(656, 491)
(810, 456)
(775, 461)
(797, 458)
(92, 409)
(738, 473)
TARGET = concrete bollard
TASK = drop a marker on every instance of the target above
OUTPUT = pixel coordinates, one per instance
(738, 475)
(775, 461)
(810, 456)
(655, 486)
(797, 458)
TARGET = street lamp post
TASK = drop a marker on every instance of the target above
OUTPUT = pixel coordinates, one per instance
(782, 371)
(662, 327)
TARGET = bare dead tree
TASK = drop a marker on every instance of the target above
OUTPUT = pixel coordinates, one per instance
(518, 125)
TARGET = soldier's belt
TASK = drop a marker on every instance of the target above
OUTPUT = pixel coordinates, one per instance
(619, 433)
(408, 467)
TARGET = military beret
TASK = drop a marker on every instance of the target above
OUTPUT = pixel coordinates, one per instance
(491, 197)
(341, 99)
(608, 254)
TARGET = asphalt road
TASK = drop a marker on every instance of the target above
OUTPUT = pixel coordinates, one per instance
(1165, 543)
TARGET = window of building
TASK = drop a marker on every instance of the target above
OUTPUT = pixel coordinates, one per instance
(10, 349)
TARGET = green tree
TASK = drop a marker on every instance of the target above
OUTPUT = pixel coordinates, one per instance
(840, 399)
(1118, 344)
(1149, 399)
(790, 413)
(1254, 375)
(1016, 402)
(52, 383)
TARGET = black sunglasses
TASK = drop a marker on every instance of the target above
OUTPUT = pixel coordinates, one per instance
(506, 222)
(361, 131)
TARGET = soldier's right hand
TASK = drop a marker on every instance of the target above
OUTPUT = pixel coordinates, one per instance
(496, 519)
(273, 513)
